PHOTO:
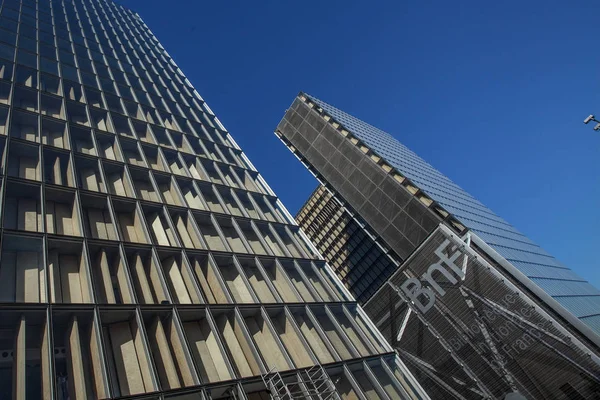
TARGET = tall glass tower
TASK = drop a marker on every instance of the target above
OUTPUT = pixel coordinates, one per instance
(569, 289)
(473, 307)
(141, 254)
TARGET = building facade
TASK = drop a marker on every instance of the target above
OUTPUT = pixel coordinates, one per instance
(565, 286)
(142, 256)
(472, 322)
(358, 260)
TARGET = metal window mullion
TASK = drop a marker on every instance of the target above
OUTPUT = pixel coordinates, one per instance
(302, 386)
(160, 272)
(217, 195)
(50, 352)
(160, 157)
(267, 280)
(145, 344)
(307, 282)
(375, 382)
(215, 192)
(301, 249)
(92, 130)
(246, 175)
(237, 159)
(4, 160)
(170, 287)
(308, 242)
(240, 234)
(262, 364)
(322, 333)
(265, 185)
(153, 184)
(42, 187)
(219, 339)
(267, 201)
(192, 220)
(282, 348)
(151, 359)
(340, 331)
(353, 383)
(279, 241)
(2, 198)
(260, 184)
(204, 171)
(222, 175)
(261, 239)
(128, 181)
(308, 348)
(288, 280)
(236, 176)
(138, 146)
(242, 275)
(217, 228)
(202, 147)
(85, 254)
(103, 358)
(357, 329)
(395, 382)
(169, 222)
(240, 205)
(128, 277)
(241, 393)
(183, 165)
(217, 271)
(169, 138)
(336, 279)
(156, 182)
(104, 183)
(153, 141)
(185, 143)
(326, 282)
(196, 286)
(254, 203)
(221, 155)
(142, 218)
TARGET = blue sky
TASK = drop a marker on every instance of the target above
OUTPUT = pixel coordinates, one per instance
(493, 94)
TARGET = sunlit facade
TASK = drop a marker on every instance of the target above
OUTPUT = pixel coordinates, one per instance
(462, 311)
(141, 254)
(569, 289)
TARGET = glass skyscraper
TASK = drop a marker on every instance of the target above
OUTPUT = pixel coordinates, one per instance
(474, 308)
(141, 254)
(565, 286)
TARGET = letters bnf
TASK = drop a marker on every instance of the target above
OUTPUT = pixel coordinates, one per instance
(424, 296)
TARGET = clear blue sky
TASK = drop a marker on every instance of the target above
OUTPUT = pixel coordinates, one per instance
(493, 94)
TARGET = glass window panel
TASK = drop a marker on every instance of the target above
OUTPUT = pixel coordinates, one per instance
(26, 58)
(49, 66)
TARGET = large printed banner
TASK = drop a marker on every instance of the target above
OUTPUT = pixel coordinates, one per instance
(468, 332)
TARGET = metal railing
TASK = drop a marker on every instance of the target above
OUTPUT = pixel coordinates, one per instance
(312, 383)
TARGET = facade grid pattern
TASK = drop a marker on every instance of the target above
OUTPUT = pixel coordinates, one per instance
(362, 265)
(466, 347)
(565, 286)
(141, 254)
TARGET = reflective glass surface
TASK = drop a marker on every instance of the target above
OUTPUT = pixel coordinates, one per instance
(570, 290)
